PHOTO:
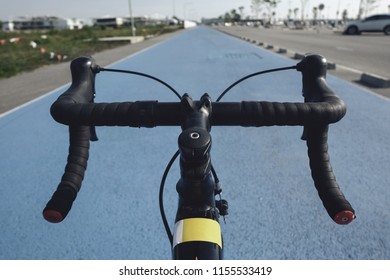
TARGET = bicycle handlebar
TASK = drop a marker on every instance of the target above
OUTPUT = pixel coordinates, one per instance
(76, 109)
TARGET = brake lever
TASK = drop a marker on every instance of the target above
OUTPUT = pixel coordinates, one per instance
(312, 67)
(304, 134)
(96, 69)
(93, 136)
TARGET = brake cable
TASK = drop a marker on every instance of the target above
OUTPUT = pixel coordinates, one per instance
(144, 75)
(252, 75)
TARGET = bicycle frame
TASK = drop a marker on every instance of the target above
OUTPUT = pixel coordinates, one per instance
(197, 233)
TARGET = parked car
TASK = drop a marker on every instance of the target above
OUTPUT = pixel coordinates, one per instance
(375, 23)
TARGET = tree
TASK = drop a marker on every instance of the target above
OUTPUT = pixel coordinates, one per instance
(269, 5)
(321, 7)
(232, 16)
(296, 10)
(227, 17)
(256, 7)
(235, 15)
(315, 14)
(241, 9)
(345, 15)
(303, 7)
(289, 14)
(366, 6)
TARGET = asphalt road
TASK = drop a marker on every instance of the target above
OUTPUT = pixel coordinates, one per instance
(274, 209)
(353, 55)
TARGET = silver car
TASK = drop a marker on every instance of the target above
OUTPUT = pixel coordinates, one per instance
(375, 23)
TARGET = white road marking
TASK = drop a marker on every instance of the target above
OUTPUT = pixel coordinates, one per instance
(345, 49)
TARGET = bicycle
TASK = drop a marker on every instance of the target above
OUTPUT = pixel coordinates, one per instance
(197, 233)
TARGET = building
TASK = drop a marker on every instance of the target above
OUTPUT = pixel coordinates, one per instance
(116, 22)
(109, 22)
(69, 23)
(50, 23)
(42, 23)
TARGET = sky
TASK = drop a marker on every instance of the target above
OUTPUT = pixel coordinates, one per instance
(194, 9)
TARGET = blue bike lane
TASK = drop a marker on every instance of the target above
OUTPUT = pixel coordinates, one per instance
(274, 210)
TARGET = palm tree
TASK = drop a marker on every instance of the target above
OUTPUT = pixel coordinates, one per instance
(367, 6)
(296, 10)
(268, 4)
(321, 7)
(241, 9)
(303, 6)
(315, 14)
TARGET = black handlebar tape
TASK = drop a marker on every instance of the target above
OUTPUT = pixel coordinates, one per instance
(82, 90)
(337, 206)
(75, 106)
(315, 89)
(61, 202)
(153, 113)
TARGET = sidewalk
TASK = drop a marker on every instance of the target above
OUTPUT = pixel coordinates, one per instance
(25, 87)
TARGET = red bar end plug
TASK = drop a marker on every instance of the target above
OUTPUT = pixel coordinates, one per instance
(53, 216)
(344, 217)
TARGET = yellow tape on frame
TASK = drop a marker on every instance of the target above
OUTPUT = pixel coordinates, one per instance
(197, 229)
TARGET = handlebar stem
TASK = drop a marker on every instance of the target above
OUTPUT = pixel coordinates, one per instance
(196, 187)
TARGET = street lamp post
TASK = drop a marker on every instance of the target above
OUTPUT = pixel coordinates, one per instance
(131, 19)
(185, 5)
(173, 8)
(337, 14)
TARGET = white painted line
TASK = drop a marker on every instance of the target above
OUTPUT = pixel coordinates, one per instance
(34, 100)
(350, 69)
(141, 51)
(345, 49)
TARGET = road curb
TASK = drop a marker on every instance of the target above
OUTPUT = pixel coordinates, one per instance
(367, 79)
(297, 56)
(374, 80)
(281, 50)
(378, 84)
